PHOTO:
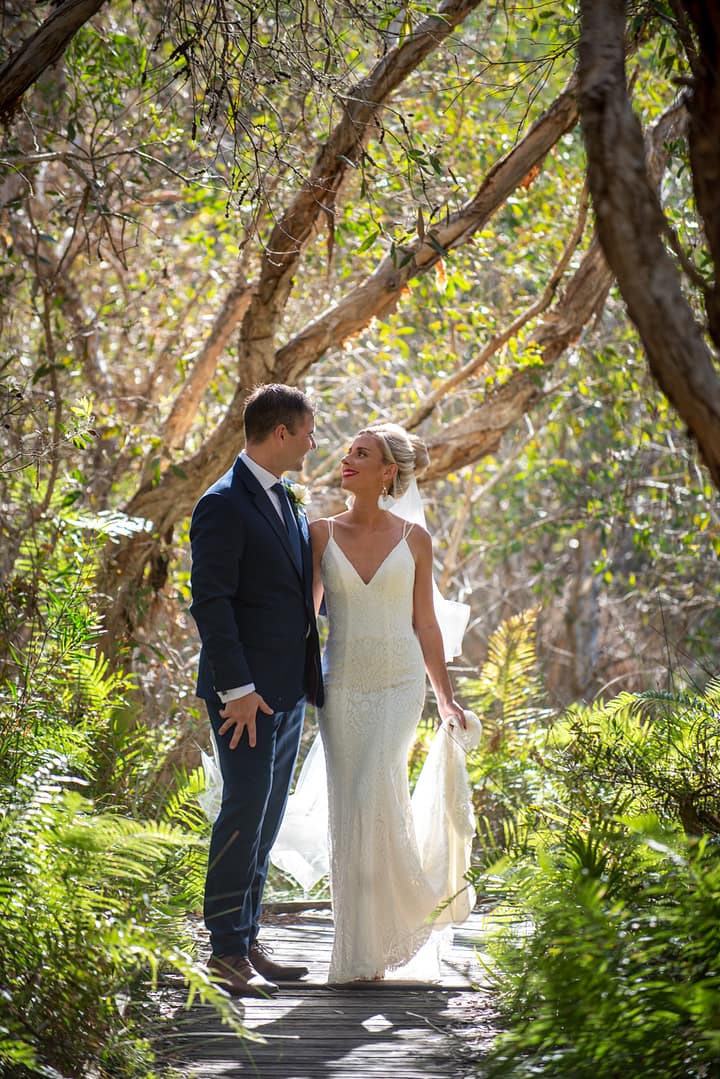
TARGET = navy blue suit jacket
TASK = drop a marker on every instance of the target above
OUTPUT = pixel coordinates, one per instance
(252, 605)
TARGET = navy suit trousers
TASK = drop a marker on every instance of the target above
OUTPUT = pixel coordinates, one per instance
(255, 791)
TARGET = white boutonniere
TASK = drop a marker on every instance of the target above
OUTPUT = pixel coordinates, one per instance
(298, 494)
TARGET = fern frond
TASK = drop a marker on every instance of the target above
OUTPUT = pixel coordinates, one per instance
(508, 691)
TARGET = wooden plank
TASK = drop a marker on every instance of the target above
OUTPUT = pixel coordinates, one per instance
(396, 1028)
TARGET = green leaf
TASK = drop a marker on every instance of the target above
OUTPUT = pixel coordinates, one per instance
(368, 241)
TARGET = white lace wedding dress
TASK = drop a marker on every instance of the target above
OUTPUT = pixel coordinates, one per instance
(382, 893)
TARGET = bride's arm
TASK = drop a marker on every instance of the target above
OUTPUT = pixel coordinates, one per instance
(319, 535)
(426, 626)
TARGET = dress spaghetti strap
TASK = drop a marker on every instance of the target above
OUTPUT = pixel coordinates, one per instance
(407, 528)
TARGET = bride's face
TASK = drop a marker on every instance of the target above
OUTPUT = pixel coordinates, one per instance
(363, 468)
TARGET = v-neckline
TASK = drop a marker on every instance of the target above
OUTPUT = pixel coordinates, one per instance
(366, 584)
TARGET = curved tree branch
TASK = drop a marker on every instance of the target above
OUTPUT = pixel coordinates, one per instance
(380, 293)
(481, 432)
(317, 194)
(188, 400)
(281, 257)
(499, 340)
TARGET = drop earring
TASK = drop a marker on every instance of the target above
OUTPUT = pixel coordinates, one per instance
(385, 500)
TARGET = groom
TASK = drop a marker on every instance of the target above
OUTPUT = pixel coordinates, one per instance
(260, 658)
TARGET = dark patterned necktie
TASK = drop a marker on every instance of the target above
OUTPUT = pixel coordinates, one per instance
(290, 522)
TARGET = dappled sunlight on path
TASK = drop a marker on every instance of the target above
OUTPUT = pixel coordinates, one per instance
(398, 1029)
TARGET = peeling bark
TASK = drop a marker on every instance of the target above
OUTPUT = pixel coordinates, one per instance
(630, 225)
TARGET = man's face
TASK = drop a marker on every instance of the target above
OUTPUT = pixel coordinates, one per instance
(298, 443)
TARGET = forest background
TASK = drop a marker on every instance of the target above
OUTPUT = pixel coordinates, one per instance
(439, 215)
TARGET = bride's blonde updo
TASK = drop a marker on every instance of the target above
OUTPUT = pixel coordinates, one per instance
(399, 448)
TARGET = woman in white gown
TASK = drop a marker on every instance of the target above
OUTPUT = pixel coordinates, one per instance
(375, 570)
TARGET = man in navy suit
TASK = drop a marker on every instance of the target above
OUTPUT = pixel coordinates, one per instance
(260, 659)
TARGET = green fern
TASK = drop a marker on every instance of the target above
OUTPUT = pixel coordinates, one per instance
(93, 901)
(182, 805)
(508, 692)
(620, 881)
(662, 749)
(506, 771)
(83, 923)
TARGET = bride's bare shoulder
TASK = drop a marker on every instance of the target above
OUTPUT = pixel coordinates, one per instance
(412, 528)
(323, 524)
(419, 541)
(320, 532)
(329, 523)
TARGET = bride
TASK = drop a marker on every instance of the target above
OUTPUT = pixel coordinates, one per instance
(375, 570)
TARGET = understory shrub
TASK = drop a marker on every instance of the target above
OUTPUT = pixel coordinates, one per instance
(93, 898)
(87, 920)
(602, 856)
(610, 982)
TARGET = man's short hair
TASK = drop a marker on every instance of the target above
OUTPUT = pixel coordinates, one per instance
(269, 406)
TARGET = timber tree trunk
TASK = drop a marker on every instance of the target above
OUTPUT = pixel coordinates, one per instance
(704, 138)
(630, 225)
(582, 616)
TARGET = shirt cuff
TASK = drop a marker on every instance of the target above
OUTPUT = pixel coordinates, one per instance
(227, 695)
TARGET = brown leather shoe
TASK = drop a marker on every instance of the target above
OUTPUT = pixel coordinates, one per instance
(260, 959)
(236, 974)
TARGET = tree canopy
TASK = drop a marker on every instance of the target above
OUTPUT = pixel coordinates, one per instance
(417, 211)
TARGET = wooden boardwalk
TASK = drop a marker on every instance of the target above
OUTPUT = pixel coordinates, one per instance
(396, 1029)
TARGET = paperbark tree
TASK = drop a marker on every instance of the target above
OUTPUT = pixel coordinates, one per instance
(165, 502)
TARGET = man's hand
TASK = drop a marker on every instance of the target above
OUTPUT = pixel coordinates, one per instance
(241, 714)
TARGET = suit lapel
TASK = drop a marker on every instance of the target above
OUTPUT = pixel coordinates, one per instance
(265, 507)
